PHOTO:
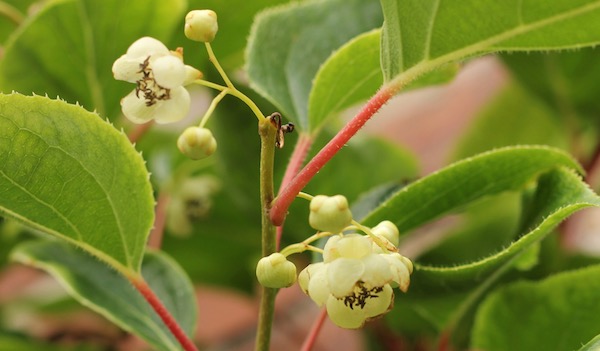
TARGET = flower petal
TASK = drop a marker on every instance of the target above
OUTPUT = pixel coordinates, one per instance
(354, 246)
(135, 109)
(318, 287)
(400, 272)
(169, 71)
(127, 69)
(175, 109)
(343, 274)
(376, 306)
(344, 316)
(146, 46)
(377, 271)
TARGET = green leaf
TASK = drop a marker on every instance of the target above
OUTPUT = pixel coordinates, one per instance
(66, 172)
(288, 44)
(352, 75)
(592, 345)
(67, 49)
(558, 313)
(463, 182)
(559, 194)
(106, 291)
(419, 36)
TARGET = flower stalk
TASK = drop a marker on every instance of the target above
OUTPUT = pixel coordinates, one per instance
(268, 134)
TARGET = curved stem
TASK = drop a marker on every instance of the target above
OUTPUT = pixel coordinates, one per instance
(140, 284)
(11, 12)
(211, 108)
(284, 200)
(215, 62)
(231, 90)
(268, 133)
(311, 338)
(293, 167)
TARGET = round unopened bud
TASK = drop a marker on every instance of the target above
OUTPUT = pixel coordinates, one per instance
(329, 214)
(197, 143)
(275, 271)
(388, 230)
(201, 25)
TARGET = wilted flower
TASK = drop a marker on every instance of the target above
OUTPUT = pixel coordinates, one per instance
(159, 75)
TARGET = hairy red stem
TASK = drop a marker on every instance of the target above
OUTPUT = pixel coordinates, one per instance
(285, 198)
(311, 338)
(294, 165)
(163, 313)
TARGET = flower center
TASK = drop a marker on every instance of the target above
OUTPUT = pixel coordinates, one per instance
(359, 296)
(149, 87)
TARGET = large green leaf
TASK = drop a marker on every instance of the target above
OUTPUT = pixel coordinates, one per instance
(104, 290)
(352, 75)
(66, 172)
(421, 35)
(559, 313)
(288, 44)
(465, 181)
(559, 194)
(67, 49)
(458, 287)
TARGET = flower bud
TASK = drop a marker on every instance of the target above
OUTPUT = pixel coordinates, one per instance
(201, 25)
(197, 143)
(329, 214)
(275, 271)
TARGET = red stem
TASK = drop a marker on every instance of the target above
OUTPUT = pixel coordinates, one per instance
(311, 338)
(162, 312)
(296, 160)
(285, 198)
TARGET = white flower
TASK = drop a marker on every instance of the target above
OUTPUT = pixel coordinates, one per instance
(159, 75)
(354, 281)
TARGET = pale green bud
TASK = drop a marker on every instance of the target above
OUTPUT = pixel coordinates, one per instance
(201, 25)
(329, 214)
(387, 230)
(275, 271)
(197, 143)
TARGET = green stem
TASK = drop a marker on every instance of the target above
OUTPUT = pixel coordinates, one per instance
(268, 133)
(11, 12)
(215, 62)
(211, 108)
(232, 90)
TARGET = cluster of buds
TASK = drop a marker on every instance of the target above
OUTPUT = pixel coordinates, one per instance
(356, 278)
